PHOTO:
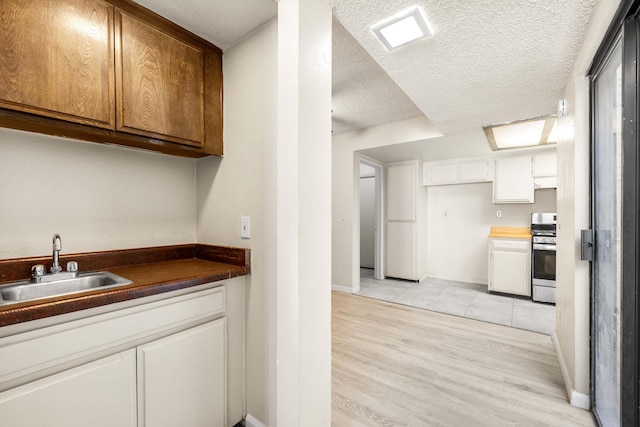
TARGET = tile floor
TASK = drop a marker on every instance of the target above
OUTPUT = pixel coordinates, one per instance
(462, 299)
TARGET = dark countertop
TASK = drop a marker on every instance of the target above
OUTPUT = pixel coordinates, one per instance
(152, 270)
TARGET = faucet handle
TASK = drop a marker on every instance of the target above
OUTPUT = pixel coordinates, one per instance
(72, 266)
(38, 270)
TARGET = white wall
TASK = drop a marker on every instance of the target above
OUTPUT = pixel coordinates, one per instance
(459, 219)
(98, 197)
(237, 186)
(345, 255)
(303, 215)
(467, 143)
(572, 293)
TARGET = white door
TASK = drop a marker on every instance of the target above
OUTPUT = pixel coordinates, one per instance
(401, 250)
(181, 378)
(98, 394)
(401, 192)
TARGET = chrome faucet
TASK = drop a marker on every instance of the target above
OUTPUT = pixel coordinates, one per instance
(39, 271)
(57, 247)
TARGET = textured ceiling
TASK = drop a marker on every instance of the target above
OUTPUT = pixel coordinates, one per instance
(363, 94)
(489, 61)
(222, 22)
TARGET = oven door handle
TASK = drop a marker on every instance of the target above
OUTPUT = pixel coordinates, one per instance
(544, 247)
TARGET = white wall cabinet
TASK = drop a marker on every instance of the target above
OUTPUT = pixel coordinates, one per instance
(545, 170)
(515, 177)
(406, 226)
(101, 394)
(181, 378)
(458, 171)
(513, 182)
(440, 173)
(510, 266)
(545, 164)
(474, 171)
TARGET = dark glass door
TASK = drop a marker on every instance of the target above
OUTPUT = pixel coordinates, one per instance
(615, 197)
(607, 200)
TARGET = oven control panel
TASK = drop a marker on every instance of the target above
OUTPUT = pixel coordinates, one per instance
(550, 240)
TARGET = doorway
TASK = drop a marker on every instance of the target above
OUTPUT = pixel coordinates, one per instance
(371, 217)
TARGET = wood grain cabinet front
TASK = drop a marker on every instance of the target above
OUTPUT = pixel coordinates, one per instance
(160, 91)
(109, 71)
(58, 60)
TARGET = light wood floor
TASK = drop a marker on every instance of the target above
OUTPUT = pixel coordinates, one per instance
(395, 365)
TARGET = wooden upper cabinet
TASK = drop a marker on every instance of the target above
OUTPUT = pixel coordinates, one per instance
(109, 71)
(57, 59)
(160, 90)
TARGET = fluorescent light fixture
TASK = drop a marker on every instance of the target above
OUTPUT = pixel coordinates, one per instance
(405, 27)
(521, 133)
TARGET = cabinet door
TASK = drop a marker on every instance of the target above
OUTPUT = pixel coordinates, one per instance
(442, 174)
(545, 164)
(474, 171)
(58, 61)
(100, 394)
(401, 192)
(510, 268)
(513, 181)
(401, 250)
(160, 91)
(181, 378)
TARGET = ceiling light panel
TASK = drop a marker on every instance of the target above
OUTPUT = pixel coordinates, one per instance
(405, 27)
(524, 133)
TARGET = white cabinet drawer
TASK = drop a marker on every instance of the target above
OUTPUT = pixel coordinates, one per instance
(522, 245)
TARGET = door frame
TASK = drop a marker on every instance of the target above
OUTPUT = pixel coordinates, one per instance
(379, 260)
(625, 24)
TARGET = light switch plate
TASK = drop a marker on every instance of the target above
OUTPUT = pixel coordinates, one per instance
(245, 227)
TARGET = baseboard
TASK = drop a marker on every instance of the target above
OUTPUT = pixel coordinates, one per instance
(251, 421)
(579, 400)
(341, 289)
(475, 281)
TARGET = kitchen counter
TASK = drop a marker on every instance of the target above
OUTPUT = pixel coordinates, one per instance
(152, 270)
(511, 232)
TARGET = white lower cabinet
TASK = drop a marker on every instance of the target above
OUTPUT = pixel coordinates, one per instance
(510, 266)
(181, 378)
(98, 394)
(162, 363)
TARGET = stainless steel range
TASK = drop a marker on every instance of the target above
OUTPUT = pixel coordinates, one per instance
(543, 262)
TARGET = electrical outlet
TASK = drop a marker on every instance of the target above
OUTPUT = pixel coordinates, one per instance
(245, 227)
(498, 214)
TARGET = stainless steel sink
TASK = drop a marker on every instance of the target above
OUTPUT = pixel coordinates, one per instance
(28, 290)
